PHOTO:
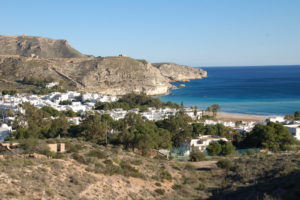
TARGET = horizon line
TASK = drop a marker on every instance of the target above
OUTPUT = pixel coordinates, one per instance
(250, 65)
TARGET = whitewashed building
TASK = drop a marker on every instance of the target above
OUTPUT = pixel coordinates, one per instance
(294, 129)
(202, 143)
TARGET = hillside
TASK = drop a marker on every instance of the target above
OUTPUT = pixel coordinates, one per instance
(89, 171)
(37, 46)
(109, 75)
(56, 60)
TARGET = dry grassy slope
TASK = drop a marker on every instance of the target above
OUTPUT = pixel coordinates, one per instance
(96, 176)
(89, 171)
(40, 46)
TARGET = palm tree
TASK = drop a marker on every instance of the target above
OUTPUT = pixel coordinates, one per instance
(214, 108)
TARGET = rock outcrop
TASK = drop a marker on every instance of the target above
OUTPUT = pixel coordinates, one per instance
(180, 73)
(56, 60)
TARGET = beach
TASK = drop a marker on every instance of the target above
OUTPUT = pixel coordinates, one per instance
(240, 117)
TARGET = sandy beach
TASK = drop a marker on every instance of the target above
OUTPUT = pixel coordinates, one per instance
(236, 117)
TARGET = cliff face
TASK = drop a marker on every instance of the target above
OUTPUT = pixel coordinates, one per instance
(177, 72)
(58, 61)
(37, 46)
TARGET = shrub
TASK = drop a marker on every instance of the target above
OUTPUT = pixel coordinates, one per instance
(97, 154)
(79, 158)
(32, 145)
(176, 187)
(189, 167)
(128, 170)
(71, 148)
(28, 145)
(158, 184)
(224, 164)
(160, 191)
(112, 169)
(214, 148)
(136, 162)
(196, 155)
(227, 148)
(165, 175)
(108, 162)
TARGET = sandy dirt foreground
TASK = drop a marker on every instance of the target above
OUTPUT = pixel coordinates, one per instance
(236, 117)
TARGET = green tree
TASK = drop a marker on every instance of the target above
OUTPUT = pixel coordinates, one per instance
(215, 108)
(93, 129)
(165, 139)
(297, 115)
(178, 126)
(58, 127)
(227, 148)
(51, 111)
(214, 148)
(33, 123)
(272, 136)
(198, 129)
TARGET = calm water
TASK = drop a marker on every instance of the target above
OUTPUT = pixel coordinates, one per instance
(261, 90)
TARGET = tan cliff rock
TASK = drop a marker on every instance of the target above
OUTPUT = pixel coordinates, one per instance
(180, 73)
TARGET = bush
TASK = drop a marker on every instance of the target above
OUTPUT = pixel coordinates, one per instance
(158, 184)
(224, 164)
(165, 175)
(227, 148)
(136, 162)
(112, 169)
(108, 162)
(79, 158)
(189, 167)
(71, 148)
(128, 170)
(160, 191)
(176, 187)
(196, 155)
(97, 154)
(214, 148)
(29, 145)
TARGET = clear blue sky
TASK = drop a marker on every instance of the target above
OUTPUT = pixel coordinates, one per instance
(193, 32)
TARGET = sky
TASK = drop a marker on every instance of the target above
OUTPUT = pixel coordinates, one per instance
(190, 32)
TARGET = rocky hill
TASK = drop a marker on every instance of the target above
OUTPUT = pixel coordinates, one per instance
(26, 57)
(177, 72)
(37, 47)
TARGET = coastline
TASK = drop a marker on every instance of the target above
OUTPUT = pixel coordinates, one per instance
(224, 116)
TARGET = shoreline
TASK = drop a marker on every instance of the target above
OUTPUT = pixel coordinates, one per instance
(225, 116)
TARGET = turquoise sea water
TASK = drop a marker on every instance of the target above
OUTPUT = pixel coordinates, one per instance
(260, 90)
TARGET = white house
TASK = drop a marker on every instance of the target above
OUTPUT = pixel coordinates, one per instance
(279, 119)
(202, 142)
(294, 129)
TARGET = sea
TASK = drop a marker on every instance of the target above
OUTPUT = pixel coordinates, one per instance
(258, 90)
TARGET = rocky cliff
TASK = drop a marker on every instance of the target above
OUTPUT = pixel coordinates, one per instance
(37, 47)
(57, 61)
(177, 72)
